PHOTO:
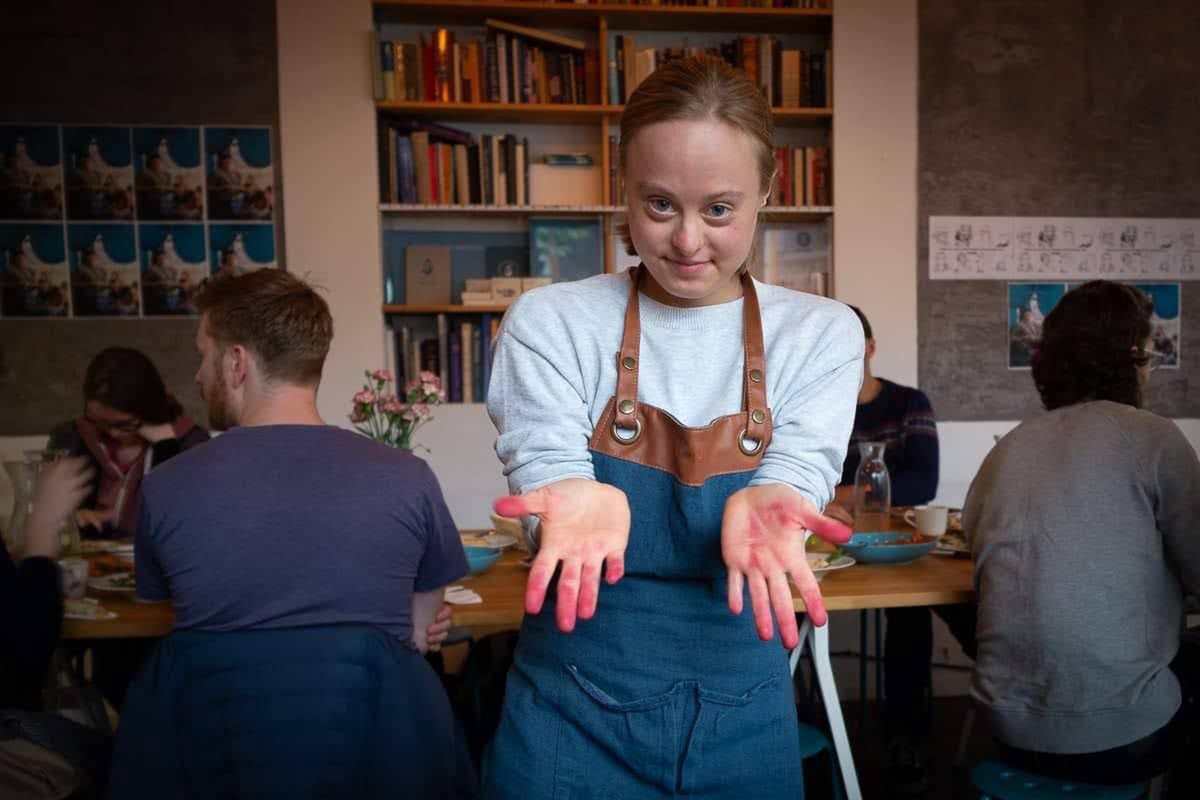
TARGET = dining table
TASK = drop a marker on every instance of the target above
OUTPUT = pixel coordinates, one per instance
(928, 581)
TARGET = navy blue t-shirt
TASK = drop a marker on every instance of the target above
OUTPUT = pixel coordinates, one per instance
(286, 525)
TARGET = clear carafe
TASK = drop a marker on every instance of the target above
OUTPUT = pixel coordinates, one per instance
(872, 489)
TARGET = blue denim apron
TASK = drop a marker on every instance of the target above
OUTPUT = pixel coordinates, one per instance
(664, 692)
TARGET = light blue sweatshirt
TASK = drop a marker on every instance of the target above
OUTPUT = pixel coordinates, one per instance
(555, 368)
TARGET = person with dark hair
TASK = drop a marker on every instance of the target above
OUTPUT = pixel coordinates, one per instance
(1082, 524)
(902, 418)
(130, 425)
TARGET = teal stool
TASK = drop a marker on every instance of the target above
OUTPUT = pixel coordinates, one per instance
(997, 781)
(813, 743)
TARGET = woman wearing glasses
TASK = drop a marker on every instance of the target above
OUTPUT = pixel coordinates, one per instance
(130, 424)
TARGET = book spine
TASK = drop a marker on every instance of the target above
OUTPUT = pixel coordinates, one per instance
(373, 50)
(466, 340)
(493, 70)
(422, 169)
(477, 384)
(476, 184)
(443, 351)
(428, 71)
(411, 365)
(389, 70)
(485, 349)
(454, 347)
(443, 75)
(462, 175)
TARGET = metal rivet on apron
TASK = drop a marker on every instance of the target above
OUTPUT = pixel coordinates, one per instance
(756, 375)
(758, 416)
(626, 406)
(628, 362)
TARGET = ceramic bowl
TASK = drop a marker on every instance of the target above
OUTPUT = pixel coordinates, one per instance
(891, 547)
(480, 558)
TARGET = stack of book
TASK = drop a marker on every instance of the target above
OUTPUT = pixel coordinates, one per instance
(789, 78)
(803, 177)
(458, 355)
(511, 64)
(421, 162)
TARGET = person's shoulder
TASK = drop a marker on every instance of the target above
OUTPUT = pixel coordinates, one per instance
(1135, 422)
(911, 397)
(828, 322)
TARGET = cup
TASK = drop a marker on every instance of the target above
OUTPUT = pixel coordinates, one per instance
(74, 577)
(929, 520)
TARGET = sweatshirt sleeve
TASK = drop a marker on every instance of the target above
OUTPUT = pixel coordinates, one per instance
(1174, 468)
(813, 413)
(537, 398)
(916, 479)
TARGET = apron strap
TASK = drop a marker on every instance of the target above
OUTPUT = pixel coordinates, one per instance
(754, 380)
(627, 365)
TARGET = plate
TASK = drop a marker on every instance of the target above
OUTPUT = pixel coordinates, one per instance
(953, 542)
(820, 564)
(890, 547)
(116, 582)
(86, 608)
(496, 541)
(93, 546)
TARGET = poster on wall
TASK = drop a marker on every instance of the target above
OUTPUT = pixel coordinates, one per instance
(174, 263)
(98, 161)
(1030, 303)
(33, 270)
(31, 177)
(241, 173)
(238, 249)
(1063, 248)
(104, 270)
(169, 172)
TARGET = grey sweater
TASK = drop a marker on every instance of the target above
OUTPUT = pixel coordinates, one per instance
(555, 368)
(1083, 525)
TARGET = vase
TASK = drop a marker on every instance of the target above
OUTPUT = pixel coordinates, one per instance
(872, 489)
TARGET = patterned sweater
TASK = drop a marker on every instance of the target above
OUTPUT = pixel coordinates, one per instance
(902, 417)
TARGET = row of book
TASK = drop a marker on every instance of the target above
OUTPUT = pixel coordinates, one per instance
(789, 78)
(511, 64)
(708, 3)
(803, 177)
(421, 162)
(458, 354)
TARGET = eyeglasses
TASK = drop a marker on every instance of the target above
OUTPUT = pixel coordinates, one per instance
(1153, 358)
(130, 425)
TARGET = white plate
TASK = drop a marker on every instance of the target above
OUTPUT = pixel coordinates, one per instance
(499, 541)
(840, 562)
(92, 546)
(86, 608)
(105, 583)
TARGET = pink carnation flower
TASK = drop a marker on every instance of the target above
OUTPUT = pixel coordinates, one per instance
(422, 410)
(365, 396)
(358, 416)
(425, 376)
(381, 375)
(392, 404)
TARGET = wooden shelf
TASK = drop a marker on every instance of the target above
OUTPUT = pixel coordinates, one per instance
(772, 213)
(499, 112)
(447, 309)
(514, 211)
(740, 19)
(563, 112)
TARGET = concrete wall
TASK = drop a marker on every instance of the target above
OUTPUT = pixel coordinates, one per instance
(1030, 108)
(166, 62)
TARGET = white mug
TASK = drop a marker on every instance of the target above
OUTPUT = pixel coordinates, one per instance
(73, 576)
(929, 520)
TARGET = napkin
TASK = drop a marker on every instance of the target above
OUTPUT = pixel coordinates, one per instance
(462, 596)
(86, 608)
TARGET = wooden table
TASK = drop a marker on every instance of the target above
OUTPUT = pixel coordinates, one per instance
(932, 580)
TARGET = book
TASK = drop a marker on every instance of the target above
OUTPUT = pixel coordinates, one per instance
(454, 351)
(538, 35)
(466, 338)
(427, 274)
(443, 351)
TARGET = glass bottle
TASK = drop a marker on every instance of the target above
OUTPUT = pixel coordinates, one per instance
(872, 489)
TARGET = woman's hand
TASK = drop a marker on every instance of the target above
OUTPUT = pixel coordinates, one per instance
(95, 518)
(584, 523)
(762, 542)
(438, 630)
(59, 490)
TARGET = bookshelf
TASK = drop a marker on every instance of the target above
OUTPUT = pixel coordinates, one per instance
(550, 127)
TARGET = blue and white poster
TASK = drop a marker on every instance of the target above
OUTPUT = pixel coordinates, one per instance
(31, 176)
(241, 173)
(170, 173)
(1028, 305)
(99, 172)
(33, 270)
(104, 270)
(238, 249)
(1164, 323)
(174, 264)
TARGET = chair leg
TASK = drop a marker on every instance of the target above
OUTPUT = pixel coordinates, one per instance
(1154, 792)
(862, 671)
(818, 639)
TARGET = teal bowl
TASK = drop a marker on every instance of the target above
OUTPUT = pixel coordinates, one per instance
(480, 558)
(893, 547)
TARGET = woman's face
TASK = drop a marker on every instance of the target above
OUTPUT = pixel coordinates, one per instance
(118, 427)
(694, 195)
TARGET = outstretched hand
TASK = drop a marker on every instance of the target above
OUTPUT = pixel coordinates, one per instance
(762, 542)
(584, 524)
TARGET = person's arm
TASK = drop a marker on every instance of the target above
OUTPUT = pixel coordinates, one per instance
(151, 584)
(915, 480)
(1174, 471)
(165, 445)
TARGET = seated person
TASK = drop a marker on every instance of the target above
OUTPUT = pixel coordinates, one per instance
(1082, 523)
(902, 417)
(312, 524)
(30, 594)
(130, 425)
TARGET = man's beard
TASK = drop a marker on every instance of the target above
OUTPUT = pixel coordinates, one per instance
(220, 418)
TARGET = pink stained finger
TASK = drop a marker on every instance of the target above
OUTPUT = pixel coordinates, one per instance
(785, 611)
(519, 505)
(614, 567)
(735, 582)
(539, 579)
(814, 604)
(589, 589)
(568, 595)
(825, 527)
(760, 601)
